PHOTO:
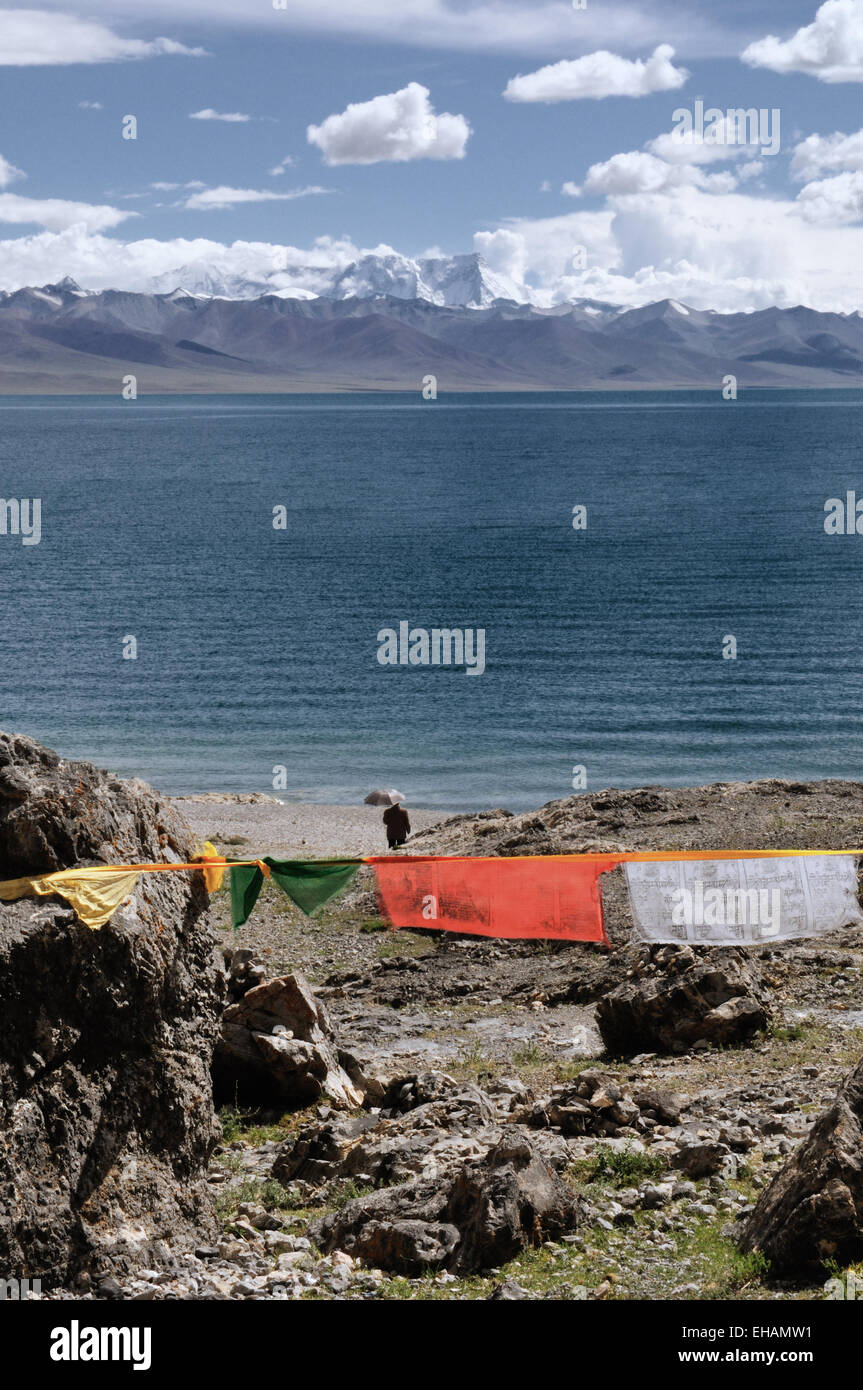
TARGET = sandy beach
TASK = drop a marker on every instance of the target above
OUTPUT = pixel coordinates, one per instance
(293, 829)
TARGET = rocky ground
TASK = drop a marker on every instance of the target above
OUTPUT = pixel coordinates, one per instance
(489, 1087)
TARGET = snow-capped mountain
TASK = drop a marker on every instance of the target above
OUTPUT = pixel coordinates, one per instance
(449, 281)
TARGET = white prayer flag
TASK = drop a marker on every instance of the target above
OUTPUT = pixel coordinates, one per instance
(740, 902)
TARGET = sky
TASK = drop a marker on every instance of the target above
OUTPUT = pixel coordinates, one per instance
(278, 145)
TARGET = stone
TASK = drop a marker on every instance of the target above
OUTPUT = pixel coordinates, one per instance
(479, 1217)
(680, 999)
(425, 1139)
(813, 1209)
(294, 1066)
(106, 1116)
(701, 1158)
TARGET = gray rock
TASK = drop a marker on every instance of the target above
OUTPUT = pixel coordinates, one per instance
(679, 999)
(296, 1065)
(813, 1209)
(104, 1139)
(479, 1217)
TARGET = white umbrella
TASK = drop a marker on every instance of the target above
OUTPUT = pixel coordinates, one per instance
(384, 797)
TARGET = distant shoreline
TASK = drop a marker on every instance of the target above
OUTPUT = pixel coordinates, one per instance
(299, 830)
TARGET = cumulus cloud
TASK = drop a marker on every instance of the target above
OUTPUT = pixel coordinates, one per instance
(838, 199)
(35, 38)
(8, 172)
(598, 75)
(90, 105)
(394, 128)
(282, 165)
(640, 172)
(819, 154)
(727, 251)
(830, 48)
(57, 214)
(208, 114)
(211, 199)
(683, 146)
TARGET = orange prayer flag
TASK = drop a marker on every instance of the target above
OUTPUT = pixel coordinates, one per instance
(545, 897)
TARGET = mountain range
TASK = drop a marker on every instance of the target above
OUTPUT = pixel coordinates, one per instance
(63, 339)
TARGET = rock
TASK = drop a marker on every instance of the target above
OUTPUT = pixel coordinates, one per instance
(813, 1209)
(106, 1118)
(479, 1217)
(702, 1157)
(508, 1292)
(663, 1105)
(680, 999)
(277, 1046)
(427, 1140)
(244, 970)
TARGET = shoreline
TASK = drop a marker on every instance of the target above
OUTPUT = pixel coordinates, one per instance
(301, 830)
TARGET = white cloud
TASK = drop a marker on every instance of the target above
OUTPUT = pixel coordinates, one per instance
(728, 251)
(8, 172)
(820, 154)
(170, 187)
(282, 165)
(397, 127)
(56, 214)
(640, 172)
(598, 75)
(830, 48)
(571, 190)
(836, 200)
(521, 26)
(35, 38)
(208, 114)
(681, 146)
(90, 105)
(101, 262)
(216, 198)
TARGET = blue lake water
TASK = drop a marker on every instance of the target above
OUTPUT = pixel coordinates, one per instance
(258, 647)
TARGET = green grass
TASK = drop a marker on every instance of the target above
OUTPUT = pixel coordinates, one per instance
(620, 1169)
(240, 1124)
(374, 924)
(264, 1192)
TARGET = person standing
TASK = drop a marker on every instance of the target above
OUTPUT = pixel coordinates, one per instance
(398, 826)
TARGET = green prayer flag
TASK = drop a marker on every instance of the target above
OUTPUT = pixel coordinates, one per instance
(312, 882)
(246, 882)
(308, 882)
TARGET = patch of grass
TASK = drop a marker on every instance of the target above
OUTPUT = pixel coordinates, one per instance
(242, 1125)
(794, 1032)
(264, 1192)
(723, 1271)
(403, 943)
(529, 1055)
(620, 1169)
(473, 1062)
(374, 924)
(346, 1192)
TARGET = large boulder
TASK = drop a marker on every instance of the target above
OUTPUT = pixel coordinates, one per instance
(675, 998)
(426, 1125)
(480, 1216)
(813, 1210)
(278, 1048)
(106, 1117)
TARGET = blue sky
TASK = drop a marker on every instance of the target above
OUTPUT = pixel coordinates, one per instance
(502, 192)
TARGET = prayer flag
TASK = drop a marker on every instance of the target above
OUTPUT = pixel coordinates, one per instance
(545, 897)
